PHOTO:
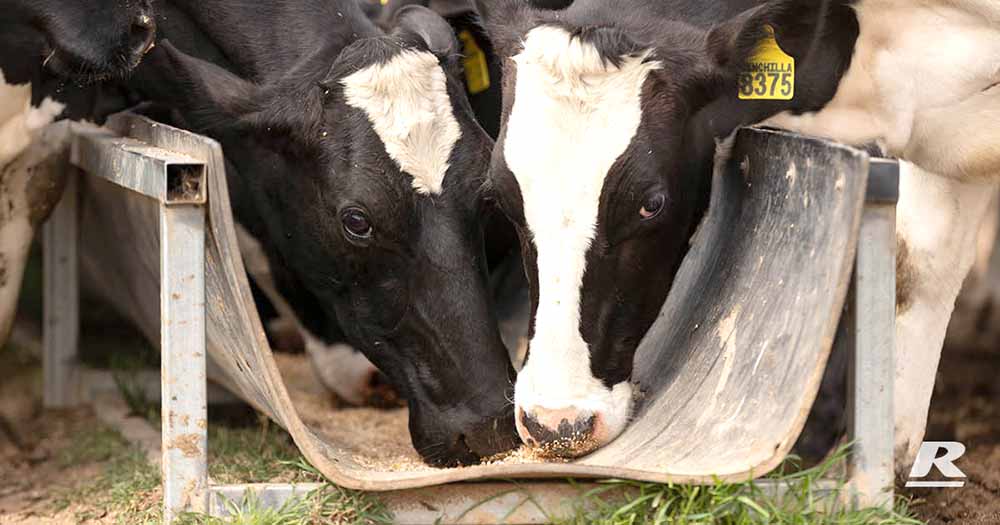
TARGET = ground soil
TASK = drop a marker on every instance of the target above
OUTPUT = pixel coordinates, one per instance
(34, 469)
(966, 408)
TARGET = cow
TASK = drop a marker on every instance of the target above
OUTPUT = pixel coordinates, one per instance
(51, 53)
(354, 159)
(612, 113)
(610, 119)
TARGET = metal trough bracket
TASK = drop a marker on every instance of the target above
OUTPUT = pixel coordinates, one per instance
(177, 182)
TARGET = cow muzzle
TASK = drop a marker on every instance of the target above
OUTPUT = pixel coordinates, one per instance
(573, 426)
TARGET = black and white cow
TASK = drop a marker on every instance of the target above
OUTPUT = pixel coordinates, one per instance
(611, 115)
(610, 120)
(354, 158)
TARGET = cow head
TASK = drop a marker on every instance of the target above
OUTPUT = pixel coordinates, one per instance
(83, 40)
(603, 163)
(363, 182)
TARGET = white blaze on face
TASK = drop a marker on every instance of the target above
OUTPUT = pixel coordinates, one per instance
(572, 117)
(406, 101)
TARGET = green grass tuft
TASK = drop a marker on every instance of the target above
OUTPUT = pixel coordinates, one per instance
(732, 503)
(329, 504)
(124, 370)
(126, 486)
(264, 452)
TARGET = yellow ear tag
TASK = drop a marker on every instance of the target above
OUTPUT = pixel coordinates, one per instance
(383, 2)
(477, 73)
(770, 72)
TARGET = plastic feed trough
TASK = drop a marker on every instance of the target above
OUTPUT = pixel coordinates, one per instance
(728, 371)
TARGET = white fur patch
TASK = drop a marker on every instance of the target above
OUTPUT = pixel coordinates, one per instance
(20, 122)
(406, 100)
(340, 367)
(28, 141)
(572, 117)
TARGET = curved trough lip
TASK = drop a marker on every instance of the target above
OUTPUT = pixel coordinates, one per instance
(753, 420)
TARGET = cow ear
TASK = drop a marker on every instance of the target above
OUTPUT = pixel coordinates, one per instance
(210, 94)
(391, 8)
(430, 27)
(800, 27)
(506, 23)
(818, 34)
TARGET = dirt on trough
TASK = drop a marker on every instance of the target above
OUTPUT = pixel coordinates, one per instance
(965, 408)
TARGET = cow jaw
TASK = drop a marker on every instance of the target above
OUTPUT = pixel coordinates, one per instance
(573, 116)
(406, 100)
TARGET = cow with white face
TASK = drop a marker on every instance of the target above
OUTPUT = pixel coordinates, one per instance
(610, 120)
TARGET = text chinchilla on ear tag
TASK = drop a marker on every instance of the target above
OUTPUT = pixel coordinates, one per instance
(769, 73)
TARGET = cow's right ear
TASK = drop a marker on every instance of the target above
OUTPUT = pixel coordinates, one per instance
(211, 95)
(818, 34)
(506, 23)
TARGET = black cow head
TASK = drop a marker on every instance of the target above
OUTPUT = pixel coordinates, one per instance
(83, 40)
(610, 121)
(363, 182)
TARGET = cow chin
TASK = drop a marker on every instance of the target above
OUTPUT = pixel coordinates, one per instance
(569, 426)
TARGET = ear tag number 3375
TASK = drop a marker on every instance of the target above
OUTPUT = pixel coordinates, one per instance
(770, 72)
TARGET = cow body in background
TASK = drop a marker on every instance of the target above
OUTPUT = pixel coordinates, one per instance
(924, 85)
(354, 159)
(51, 51)
(976, 320)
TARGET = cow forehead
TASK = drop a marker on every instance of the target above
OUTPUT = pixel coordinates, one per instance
(406, 101)
(573, 115)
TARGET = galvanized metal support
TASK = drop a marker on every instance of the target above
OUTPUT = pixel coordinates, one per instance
(176, 183)
(182, 357)
(871, 330)
(61, 299)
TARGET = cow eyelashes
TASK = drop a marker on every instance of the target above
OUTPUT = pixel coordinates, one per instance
(652, 206)
(356, 224)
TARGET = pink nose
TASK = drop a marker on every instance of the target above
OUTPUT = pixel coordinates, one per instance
(562, 432)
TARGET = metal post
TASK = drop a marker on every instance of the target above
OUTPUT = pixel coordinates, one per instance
(871, 328)
(182, 338)
(61, 299)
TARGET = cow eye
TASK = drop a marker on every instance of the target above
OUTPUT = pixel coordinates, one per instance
(356, 223)
(652, 206)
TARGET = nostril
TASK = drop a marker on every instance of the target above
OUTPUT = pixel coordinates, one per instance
(142, 33)
(143, 22)
(558, 432)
